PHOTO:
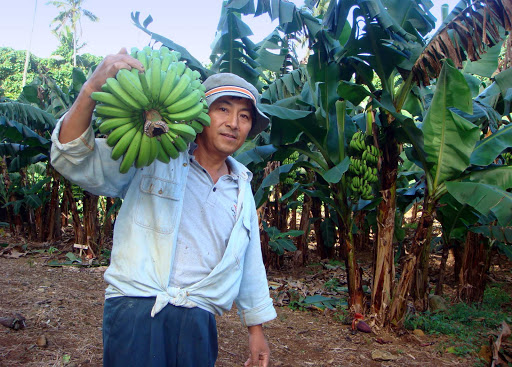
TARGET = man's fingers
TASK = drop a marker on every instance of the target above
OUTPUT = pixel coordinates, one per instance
(134, 63)
(123, 51)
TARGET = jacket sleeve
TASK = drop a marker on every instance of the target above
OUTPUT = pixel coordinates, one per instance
(254, 304)
(86, 162)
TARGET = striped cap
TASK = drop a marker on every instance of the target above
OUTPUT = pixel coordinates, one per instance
(228, 84)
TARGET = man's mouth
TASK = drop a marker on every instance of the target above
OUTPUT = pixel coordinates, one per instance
(228, 135)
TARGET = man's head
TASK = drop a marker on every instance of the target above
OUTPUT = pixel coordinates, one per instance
(228, 84)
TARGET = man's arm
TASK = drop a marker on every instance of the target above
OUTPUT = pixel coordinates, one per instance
(78, 118)
(258, 347)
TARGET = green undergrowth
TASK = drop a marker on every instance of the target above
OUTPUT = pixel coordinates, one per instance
(467, 326)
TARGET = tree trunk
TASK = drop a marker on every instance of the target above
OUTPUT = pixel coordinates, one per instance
(409, 266)
(354, 275)
(458, 255)
(475, 265)
(362, 237)
(384, 268)
(107, 228)
(302, 241)
(91, 224)
(54, 223)
(77, 225)
(442, 269)
(316, 212)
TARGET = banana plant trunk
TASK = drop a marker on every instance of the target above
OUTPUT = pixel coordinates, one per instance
(54, 223)
(91, 225)
(384, 267)
(354, 276)
(354, 271)
(410, 265)
(475, 265)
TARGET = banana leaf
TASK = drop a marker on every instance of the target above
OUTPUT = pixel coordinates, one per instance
(31, 116)
(501, 234)
(192, 62)
(449, 139)
(335, 174)
(485, 199)
(488, 149)
(500, 176)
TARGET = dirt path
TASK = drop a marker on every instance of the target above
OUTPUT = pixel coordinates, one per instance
(64, 305)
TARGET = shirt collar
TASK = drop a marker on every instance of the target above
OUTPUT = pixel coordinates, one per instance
(236, 169)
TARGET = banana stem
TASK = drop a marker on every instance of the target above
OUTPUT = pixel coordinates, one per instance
(154, 124)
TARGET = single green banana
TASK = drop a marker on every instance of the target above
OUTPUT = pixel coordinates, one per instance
(122, 144)
(168, 84)
(167, 143)
(196, 75)
(178, 141)
(133, 52)
(164, 51)
(131, 152)
(143, 58)
(155, 78)
(153, 152)
(155, 54)
(144, 151)
(162, 155)
(204, 119)
(149, 79)
(144, 84)
(187, 102)
(118, 133)
(176, 54)
(125, 78)
(180, 67)
(109, 98)
(180, 87)
(188, 114)
(196, 125)
(121, 94)
(166, 62)
(113, 123)
(185, 131)
(110, 111)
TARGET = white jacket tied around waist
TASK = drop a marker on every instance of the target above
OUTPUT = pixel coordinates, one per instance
(145, 232)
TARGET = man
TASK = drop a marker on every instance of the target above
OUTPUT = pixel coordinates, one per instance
(186, 240)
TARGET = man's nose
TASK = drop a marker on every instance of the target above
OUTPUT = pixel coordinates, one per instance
(233, 121)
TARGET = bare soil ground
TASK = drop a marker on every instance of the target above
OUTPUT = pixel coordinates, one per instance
(62, 307)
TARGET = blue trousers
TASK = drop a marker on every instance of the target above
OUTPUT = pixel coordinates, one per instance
(175, 337)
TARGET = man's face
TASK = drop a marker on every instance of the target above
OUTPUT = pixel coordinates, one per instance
(231, 121)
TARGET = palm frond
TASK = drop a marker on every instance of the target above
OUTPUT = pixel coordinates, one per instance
(467, 33)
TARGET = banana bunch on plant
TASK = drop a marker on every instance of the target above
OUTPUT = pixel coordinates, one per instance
(363, 166)
(154, 114)
(507, 157)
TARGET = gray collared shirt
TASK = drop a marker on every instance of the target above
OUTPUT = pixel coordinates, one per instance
(207, 220)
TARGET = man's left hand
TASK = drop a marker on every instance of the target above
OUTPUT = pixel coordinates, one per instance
(258, 347)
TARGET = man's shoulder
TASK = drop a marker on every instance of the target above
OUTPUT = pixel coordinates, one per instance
(239, 169)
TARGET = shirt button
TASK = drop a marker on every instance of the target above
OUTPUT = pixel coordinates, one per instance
(214, 189)
(160, 191)
(184, 164)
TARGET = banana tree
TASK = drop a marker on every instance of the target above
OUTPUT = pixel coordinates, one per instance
(448, 155)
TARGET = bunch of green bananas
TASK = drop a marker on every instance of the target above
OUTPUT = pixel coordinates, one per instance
(363, 166)
(507, 156)
(154, 114)
(358, 143)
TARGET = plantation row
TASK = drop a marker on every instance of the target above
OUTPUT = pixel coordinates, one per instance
(366, 130)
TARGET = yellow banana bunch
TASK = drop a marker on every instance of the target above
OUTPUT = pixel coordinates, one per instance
(151, 115)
